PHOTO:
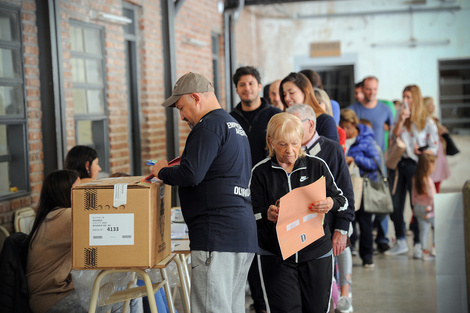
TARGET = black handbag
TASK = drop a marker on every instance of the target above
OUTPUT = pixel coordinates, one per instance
(451, 148)
(376, 197)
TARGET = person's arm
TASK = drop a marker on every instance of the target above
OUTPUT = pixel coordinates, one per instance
(364, 158)
(201, 149)
(326, 127)
(432, 136)
(403, 115)
(342, 218)
(335, 199)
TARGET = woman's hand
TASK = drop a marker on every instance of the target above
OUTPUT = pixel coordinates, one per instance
(273, 213)
(405, 113)
(322, 206)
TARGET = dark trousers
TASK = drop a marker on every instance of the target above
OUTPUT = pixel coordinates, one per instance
(364, 219)
(256, 290)
(406, 170)
(381, 223)
(297, 287)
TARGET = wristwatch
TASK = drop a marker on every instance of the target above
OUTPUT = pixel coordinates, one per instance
(342, 232)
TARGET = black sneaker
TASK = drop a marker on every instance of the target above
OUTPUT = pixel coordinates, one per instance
(368, 263)
(382, 247)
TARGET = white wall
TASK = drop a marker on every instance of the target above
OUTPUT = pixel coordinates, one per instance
(286, 39)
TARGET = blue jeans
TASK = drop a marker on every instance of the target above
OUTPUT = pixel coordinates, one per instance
(406, 170)
(381, 223)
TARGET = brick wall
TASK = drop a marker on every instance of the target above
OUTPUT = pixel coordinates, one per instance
(33, 112)
(195, 23)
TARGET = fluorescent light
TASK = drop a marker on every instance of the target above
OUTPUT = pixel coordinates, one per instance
(110, 18)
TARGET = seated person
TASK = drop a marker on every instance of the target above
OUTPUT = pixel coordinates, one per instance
(49, 260)
(85, 161)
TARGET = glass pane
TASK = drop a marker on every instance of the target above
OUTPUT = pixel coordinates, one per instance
(78, 70)
(11, 101)
(79, 101)
(4, 179)
(93, 41)
(84, 133)
(76, 39)
(12, 159)
(94, 71)
(129, 28)
(9, 26)
(10, 64)
(3, 140)
(95, 101)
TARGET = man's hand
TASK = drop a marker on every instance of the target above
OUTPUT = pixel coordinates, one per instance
(158, 166)
(339, 242)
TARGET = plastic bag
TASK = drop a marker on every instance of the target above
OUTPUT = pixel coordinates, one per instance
(83, 283)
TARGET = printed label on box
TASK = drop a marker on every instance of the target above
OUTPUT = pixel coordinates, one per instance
(112, 229)
(120, 195)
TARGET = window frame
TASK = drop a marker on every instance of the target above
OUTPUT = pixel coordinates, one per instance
(454, 101)
(103, 117)
(18, 158)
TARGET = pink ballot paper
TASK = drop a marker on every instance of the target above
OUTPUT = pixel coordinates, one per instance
(297, 226)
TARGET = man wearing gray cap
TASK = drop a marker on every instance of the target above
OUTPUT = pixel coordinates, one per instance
(213, 180)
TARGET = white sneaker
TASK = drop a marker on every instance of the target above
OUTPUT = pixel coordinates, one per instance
(428, 257)
(417, 251)
(400, 248)
(344, 305)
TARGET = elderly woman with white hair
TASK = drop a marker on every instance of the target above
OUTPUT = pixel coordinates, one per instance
(302, 282)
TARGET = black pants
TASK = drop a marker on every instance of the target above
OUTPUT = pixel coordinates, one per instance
(297, 287)
(255, 286)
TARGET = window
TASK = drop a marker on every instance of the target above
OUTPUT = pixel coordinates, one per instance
(132, 79)
(215, 63)
(14, 177)
(89, 96)
(338, 82)
(454, 83)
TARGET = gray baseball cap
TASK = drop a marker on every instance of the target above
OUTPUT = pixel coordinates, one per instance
(188, 83)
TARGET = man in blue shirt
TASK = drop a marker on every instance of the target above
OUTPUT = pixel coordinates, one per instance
(378, 113)
(213, 180)
(381, 118)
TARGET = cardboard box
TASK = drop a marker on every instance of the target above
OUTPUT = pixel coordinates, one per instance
(120, 223)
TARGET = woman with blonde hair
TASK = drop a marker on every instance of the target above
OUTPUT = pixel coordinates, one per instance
(419, 133)
(325, 103)
(295, 88)
(442, 170)
(303, 281)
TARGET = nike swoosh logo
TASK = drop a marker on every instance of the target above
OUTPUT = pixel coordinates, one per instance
(303, 178)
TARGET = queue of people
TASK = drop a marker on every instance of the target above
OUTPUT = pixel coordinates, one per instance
(234, 169)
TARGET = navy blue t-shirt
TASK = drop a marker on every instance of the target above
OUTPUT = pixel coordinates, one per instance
(214, 191)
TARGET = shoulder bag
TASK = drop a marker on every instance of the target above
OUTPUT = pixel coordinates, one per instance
(394, 153)
(357, 183)
(376, 197)
(451, 148)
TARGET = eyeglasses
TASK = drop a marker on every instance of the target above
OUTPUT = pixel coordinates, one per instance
(305, 120)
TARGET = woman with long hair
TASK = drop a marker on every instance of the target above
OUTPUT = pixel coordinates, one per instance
(419, 133)
(295, 88)
(49, 265)
(85, 161)
(50, 248)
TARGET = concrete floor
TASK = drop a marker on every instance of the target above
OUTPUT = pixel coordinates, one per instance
(400, 283)
(396, 284)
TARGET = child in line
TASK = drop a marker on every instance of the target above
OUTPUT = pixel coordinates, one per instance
(423, 192)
